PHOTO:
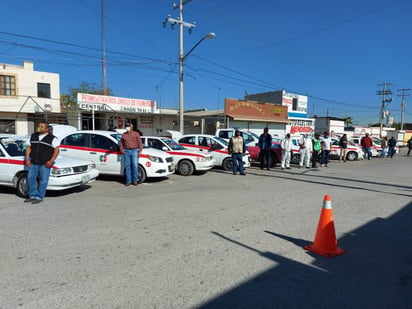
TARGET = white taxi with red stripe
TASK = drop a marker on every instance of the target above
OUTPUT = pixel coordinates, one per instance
(209, 144)
(187, 161)
(102, 148)
(65, 173)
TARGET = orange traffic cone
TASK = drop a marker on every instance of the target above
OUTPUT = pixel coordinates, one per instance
(325, 240)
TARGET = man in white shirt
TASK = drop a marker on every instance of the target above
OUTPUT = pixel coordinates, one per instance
(326, 143)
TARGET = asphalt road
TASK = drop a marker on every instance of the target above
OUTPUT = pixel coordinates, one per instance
(214, 241)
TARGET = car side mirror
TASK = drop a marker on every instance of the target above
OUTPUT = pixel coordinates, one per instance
(164, 148)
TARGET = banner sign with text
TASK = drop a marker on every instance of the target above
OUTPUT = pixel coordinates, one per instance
(102, 103)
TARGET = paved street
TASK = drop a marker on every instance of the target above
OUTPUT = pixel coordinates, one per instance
(214, 241)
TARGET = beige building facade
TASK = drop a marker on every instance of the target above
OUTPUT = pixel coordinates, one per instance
(26, 97)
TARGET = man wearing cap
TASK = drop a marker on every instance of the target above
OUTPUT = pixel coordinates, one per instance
(130, 146)
(237, 149)
(326, 143)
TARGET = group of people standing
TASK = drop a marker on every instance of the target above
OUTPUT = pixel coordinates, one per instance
(310, 150)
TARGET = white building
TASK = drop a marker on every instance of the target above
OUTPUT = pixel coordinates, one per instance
(297, 105)
(26, 97)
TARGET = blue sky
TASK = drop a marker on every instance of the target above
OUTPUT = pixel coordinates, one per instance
(335, 52)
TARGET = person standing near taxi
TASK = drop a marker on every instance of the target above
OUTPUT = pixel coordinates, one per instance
(42, 149)
(286, 146)
(237, 149)
(367, 143)
(326, 143)
(130, 146)
(265, 143)
(343, 144)
(305, 144)
(316, 149)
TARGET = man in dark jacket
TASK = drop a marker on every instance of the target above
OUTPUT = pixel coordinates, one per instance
(265, 142)
(391, 145)
(41, 151)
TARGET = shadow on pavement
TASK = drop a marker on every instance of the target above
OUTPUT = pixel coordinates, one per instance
(376, 272)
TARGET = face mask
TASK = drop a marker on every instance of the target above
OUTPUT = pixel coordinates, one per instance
(128, 129)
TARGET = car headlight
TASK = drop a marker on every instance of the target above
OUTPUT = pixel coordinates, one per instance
(203, 159)
(155, 159)
(91, 166)
(61, 171)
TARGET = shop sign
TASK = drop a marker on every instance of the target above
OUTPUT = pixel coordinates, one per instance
(115, 104)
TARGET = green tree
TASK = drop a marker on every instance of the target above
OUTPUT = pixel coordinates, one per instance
(348, 121)
(69, 101)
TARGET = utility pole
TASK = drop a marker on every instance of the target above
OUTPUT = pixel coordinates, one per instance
(104, 60)
(384, 93)
(190, 26)
(403, 95)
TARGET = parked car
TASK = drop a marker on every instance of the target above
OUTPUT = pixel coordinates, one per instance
(187, 161)
(102, 148)
(375, 149)
(65, 173)
(252, 143)
(209, 144)
(377, 145)
(353, 152)
(249, 138)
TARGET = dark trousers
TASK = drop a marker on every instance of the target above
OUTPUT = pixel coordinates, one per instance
(391, 151)
(264, 158)
(237, 161)
(325, 157)
(315, 158)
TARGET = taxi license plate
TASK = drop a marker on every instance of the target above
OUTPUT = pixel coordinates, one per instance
(85, 179)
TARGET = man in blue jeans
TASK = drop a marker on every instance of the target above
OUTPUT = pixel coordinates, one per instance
(130, 146)
(237, 149)
(41, 151)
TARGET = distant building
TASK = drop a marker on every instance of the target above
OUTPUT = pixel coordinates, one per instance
(332, 125)
(26, 97)
(254, 117)
(297, 106)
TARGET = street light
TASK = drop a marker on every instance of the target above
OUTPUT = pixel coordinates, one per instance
(182, 57)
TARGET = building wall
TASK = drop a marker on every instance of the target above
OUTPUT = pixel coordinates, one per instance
(297, 104)
(22, 107)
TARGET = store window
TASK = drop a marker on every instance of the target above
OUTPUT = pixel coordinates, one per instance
(43, 90)
(7, 126)
(7, 85)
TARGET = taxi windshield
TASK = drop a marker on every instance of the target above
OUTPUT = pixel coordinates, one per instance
(221, 140)
(118, 137)
(15, 146)
(172, 144)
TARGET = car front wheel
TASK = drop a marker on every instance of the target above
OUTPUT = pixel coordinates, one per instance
(21, 186)
(142, 174)
(185, 168)
(295, 158)
(351, 156)
(227, 164)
